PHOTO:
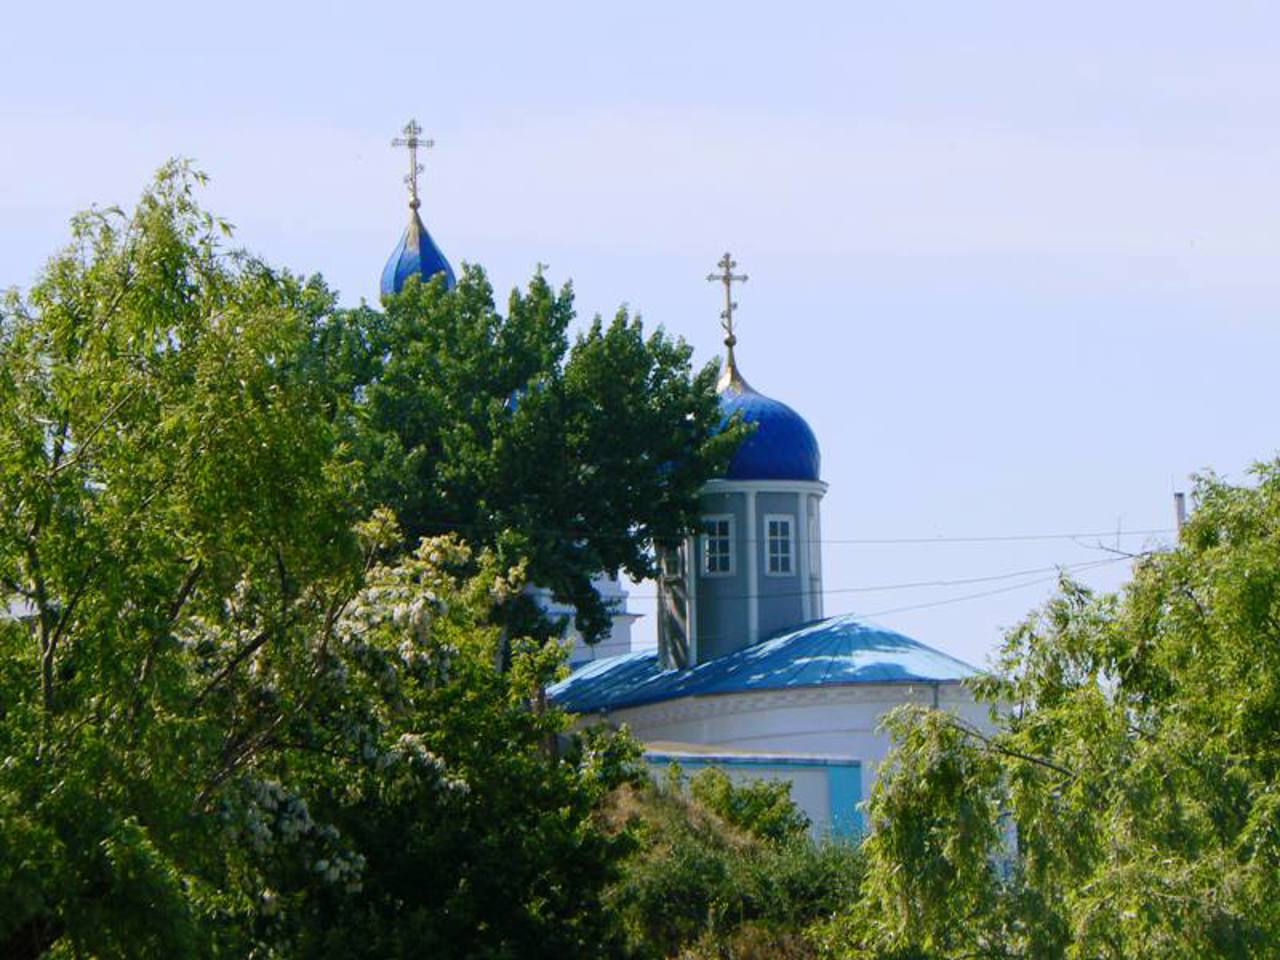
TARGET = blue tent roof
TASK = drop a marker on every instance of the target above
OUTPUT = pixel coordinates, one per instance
(841, 650)
(782, 446)
(415, 255)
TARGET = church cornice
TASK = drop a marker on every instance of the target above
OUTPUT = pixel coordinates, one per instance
(702, 706)
(765, 486)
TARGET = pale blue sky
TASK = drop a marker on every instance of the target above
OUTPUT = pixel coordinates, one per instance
(1016, 265)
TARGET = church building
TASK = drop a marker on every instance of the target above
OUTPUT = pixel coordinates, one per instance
(749, 675)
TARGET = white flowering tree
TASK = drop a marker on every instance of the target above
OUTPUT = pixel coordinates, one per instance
(226, 728)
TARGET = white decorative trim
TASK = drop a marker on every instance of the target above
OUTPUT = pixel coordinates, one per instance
(803, 546)
(765, 486)
(699, 707)
(816, 607)
(753, 571)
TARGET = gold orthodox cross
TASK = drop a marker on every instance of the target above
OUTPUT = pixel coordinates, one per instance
(413, 140)
(728, 278)
(729, 377)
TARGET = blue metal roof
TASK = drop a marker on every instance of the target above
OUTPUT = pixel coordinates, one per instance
(415, 255)
(841, 650)
(782, 447)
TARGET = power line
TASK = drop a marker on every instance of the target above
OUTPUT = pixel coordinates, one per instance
(446, 526)
(1008, 538)
(984, 593)
(917, 584)
(970, 596)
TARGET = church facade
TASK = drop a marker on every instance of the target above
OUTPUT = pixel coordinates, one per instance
(749, 674)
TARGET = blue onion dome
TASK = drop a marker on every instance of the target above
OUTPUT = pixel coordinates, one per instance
(415, 255)
(782, 446)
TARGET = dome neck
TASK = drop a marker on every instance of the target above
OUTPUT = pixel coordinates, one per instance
(731, 377)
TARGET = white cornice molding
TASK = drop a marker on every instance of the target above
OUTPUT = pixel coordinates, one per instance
(729, 704)
(765, 486)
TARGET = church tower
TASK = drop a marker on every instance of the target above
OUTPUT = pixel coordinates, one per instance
(749, 675)
(755, 569)
(416, 254)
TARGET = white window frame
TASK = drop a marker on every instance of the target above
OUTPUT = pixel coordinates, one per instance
(731, 526)
(790, 540)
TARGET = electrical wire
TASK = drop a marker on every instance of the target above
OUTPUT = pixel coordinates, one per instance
(912, 585)
(446, 526)
(1009, 538)
(984, 593)
(872, 614)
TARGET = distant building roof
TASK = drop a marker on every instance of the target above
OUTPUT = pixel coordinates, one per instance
(841, 650)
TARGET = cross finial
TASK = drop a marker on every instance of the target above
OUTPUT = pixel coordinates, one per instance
(413, 140)
(730, 377)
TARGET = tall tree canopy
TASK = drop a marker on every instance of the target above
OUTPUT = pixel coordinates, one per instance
(1128, 804)
(238, 717)
(575, 457)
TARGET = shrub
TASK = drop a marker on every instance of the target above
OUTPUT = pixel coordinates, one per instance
(763, 808)
(698, 885)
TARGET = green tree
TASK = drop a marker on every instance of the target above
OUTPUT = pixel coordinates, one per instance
(467, 836)
(163, 470)
(234, 720)
(1128, 802)
(575, 458)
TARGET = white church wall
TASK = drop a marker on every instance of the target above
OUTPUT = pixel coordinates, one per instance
(837, 721)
